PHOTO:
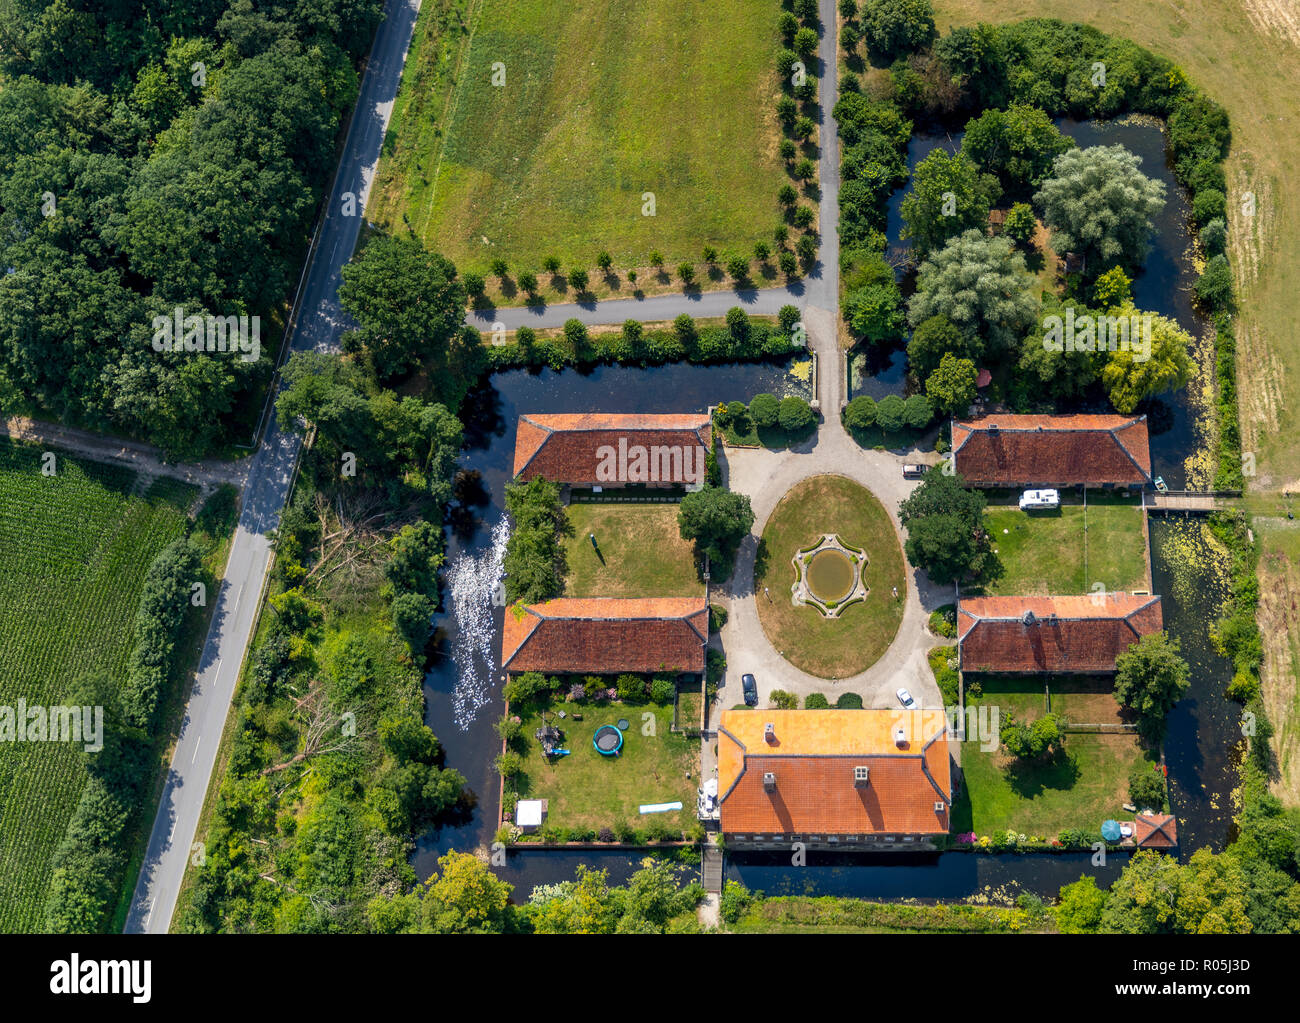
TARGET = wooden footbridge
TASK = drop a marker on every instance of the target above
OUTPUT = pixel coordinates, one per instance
(1189, 502)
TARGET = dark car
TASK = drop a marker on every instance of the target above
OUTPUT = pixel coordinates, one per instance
(750, 688)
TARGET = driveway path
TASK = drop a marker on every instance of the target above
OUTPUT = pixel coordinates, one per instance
(320, 321)
(143, 458)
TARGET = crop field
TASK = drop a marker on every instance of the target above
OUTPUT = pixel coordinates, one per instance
(74, 550)
(1246, 55)
(601, 102)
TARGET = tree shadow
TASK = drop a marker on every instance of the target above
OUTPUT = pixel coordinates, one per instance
(1029, 779)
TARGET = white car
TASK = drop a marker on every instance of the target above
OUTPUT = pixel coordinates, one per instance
(1032, 499)
(905, 698)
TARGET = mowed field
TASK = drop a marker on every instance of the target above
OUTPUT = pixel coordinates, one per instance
(1246, 55)
(603, 100)
(74, 550)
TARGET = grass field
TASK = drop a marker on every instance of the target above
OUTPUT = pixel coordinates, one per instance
(1246, 55)
(587, 790)
(1049, 553)
(844, 646)
(644, 553)
(602, 101)
(74, 550)
(1080, 789)
(1279, 597)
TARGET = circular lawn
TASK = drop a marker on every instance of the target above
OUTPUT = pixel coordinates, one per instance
(830, 647)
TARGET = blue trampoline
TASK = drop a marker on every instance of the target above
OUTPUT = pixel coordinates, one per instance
(608, 740)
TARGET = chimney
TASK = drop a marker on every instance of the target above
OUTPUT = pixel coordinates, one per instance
(993, 427)
(900, 736)
(769, 734)
(769, 781)
(861, 775)
(1029, 618)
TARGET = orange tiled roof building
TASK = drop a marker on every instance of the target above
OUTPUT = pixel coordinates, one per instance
(1028, 635)
(834, 778)
(577, 449)
(606, 635)
(1053, 451)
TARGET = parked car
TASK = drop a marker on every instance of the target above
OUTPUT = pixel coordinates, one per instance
(914, 470)
(905, 698)
(1032, 499)
(750, 688)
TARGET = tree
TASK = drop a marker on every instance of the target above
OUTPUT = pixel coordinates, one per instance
(917, 412)
(805, 42)
(551, 264)
(761, 251)
(407, 301)
(889, 413)
(896, 27)
(465, 898)
(948, 195)
(1099, 204)
(1112, 289)
(805, 169)
(803, 217)
(578, 279)
(1021, 223)
(945, 528)
(860, 413)
(1214, 237)
(604, 260)
(1056, 375)
(716, 520)
(874, 311)
(738, 268)
(1150, 677)
(934, 338)
(686, 273)
(1079, 909)
(786, 195)
(982, 286)
(1132, 376)
(1214, 286)
(1018, 145)
(795, 415)
(1034, 740)
(534, 558)
(765, 410)
(1146, 788)
(951, 387)
(499, 267)
(528, 282)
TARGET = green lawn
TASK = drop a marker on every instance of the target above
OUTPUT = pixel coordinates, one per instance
(74, 550)
(1053, 553)
(603, 101)
(844, 646)
(1080, 789)
(643, 551)
(586, 790)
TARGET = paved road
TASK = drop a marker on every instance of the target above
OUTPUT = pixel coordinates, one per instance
(270, 474)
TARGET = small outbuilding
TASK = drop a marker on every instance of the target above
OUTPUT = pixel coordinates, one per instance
(530, 814)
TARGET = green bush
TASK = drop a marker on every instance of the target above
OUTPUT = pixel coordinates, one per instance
(630, 688)
(848, 701)
(662, 690)
(795, 415)
(734, 901)
(782, 700)
(1209, 205)
(1214, 287)
(891, 412)
(717, 617)
(765, 410)
(1214, 237)
(528, 685)
(860, 413)
(815, 701)
(917, 412)
(943, 621)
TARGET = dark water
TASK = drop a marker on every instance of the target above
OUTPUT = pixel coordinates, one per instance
(936, 877)
(1204, 737)
(491, 415)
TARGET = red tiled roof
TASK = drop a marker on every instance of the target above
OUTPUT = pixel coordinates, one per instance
(1067, 634)
(605, 635)
(1009, 450)
(1155, 831)
(566, 448)
(814, 759)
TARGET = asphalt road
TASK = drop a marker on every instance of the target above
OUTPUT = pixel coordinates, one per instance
(171, 843)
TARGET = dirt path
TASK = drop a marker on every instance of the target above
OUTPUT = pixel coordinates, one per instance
(143, 458)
